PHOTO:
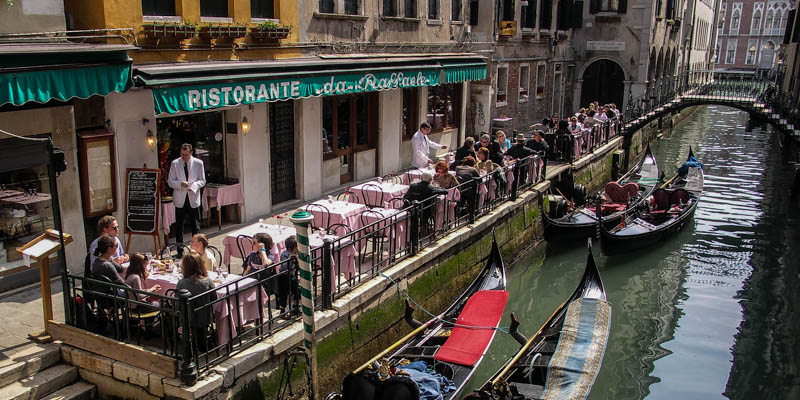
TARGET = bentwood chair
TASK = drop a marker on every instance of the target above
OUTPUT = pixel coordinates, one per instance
(339, 230)
(375, 231)
(373, 195)
(348, 196)
(392, 178)
(218, 256)
(323, 215)
(413, 175)
(398, 203)
(244, 244)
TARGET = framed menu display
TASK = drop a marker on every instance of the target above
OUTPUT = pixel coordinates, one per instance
(98, 172)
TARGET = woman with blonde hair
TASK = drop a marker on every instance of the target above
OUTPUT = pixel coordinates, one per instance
(484, 164)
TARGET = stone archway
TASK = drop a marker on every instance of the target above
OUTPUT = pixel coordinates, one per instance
(603, 81)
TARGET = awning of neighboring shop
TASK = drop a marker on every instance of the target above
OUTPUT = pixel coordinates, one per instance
(43, 72)
(455, 71)
(202, 86)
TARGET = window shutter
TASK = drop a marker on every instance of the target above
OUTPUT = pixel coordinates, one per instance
(577, 14)
(787, 37)
(594, 6)
(623, 6)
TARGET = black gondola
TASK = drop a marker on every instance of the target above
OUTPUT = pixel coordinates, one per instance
(454, 350)
(581, 222)
(672, 207)
(562, 359)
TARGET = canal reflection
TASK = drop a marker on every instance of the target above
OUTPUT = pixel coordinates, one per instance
(708, 314)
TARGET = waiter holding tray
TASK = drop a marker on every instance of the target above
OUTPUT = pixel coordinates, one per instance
(186, 177)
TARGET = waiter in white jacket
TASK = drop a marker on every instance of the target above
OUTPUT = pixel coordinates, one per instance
(186, 177)
(421, 146)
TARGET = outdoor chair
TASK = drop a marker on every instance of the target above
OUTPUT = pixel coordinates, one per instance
(348, 196)
(339, 230)
(323, 216)
(374, 232)
(373, 195)
(392, 178)
(218, 256)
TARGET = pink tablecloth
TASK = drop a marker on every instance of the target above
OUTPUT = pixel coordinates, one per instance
(226, 313)
(222, 195)
(167, 216)
(279, 235)
(453, 196)
(341, 212)
(390, 191)
(396, 230)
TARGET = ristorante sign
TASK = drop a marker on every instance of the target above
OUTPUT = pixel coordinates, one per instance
(204, 97)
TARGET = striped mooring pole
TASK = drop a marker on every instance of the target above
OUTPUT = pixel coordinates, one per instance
(301, 220)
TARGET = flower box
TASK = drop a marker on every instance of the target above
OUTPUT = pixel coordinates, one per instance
(169, 30)
(268, 32)
(222, 31)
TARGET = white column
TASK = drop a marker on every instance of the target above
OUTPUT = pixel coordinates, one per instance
(254, 160)
(308, 147)
(389, 133)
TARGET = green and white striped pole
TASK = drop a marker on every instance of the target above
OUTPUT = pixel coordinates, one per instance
(301, 220)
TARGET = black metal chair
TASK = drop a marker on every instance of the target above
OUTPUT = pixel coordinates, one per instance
(348, 196)
(373, 195)
(217, 256)
(392, 178)
(339, 230)
(324, 216)
(413, 175)
(398, 203)
(175, 251)
(244, 244)
(375, 231)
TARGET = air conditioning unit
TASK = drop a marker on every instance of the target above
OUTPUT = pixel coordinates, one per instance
(508, 28)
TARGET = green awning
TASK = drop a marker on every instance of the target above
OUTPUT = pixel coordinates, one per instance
(474, 71)
(63, 83)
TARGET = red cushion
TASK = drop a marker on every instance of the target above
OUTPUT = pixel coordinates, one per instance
(621, 193)
(609, 208)
(466, 346)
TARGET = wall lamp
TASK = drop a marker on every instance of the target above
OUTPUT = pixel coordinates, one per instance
(150, 137)
(245, 122)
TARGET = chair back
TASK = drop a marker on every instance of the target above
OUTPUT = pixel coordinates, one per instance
(348, 196)
(339, 229)
(174, 249)
(244, 242)
(371, 216)
(392, 178)
(217, 254)
(322, 215)
(373, 195)
(678, 197)
(661, 198)
(413, 175)
(399, 203)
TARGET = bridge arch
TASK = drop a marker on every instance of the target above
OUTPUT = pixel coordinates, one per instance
(603, 79)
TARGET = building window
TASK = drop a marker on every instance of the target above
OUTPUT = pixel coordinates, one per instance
(456, 11)
(262, 8)
(351, 7)
(755, 26)
(596, 6)
(750, 58)
(546, 20)
(768, 22)
(389, 8)
(326, 6)
(474, 12)
(444, 106)
(158, 7)
(540, 80)
(410, 112)
(735, 22)
(349, 122)
(508, 10)
(502, 85)
(433, 9)
(730, 54)
(529, 14)
(721, 20)
(213, 8)
(524, 82)
(716, 52)
(410, 8)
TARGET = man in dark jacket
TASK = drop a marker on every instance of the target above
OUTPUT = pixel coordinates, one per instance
(537, 144)
(424, 193)
(464, 151)
(518, 151)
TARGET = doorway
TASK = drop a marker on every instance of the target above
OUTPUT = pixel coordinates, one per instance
(604, 82)
(281, 151)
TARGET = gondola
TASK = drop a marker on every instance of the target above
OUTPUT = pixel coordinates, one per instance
(562, 359)
(669, 209)
(628, 191)
(453, 350)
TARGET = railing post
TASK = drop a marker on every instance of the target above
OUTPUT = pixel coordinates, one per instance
(188, 369)
(473, 201)
(301, 220)
(515, 184)
(327, 265)
(415, 215)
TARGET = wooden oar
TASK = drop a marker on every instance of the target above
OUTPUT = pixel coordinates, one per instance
(394, 346)
(669, 181)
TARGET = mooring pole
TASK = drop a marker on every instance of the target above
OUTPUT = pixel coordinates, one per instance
(301, 220)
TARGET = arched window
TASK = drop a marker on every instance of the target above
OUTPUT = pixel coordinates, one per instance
(735, 21)
(751, 55)
(768, 21)
(755, 26)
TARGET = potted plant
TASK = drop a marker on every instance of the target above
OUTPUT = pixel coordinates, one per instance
(169, 30)
(270, 30)
(221, 31)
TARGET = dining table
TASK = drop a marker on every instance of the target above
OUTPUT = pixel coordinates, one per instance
(367, 193)
(228, 314)
(338, 212)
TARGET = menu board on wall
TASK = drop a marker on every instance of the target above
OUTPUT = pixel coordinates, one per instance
(142, 198)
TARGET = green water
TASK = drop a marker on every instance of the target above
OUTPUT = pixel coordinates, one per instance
(713, 311)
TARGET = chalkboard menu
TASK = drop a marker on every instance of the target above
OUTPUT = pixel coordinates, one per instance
(141, 200)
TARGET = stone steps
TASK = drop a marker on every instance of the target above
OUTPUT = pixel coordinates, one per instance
(28, 362)
(41, 384)
(77, 391)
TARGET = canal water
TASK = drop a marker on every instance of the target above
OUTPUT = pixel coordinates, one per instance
(710, 313)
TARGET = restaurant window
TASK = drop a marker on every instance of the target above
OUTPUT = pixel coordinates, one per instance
(262, 9)
(502, 85)
(389, 8)
(444, 106)
(433, 9)
(25, 208)
(540, 82)
(410, 8)
(349, 122)
(213, 8)
(529, 14)
(351, 7)
(326, 6)
(456, 10)
(158, 7)
(205, 132)
(524, 82)
(410, 112)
